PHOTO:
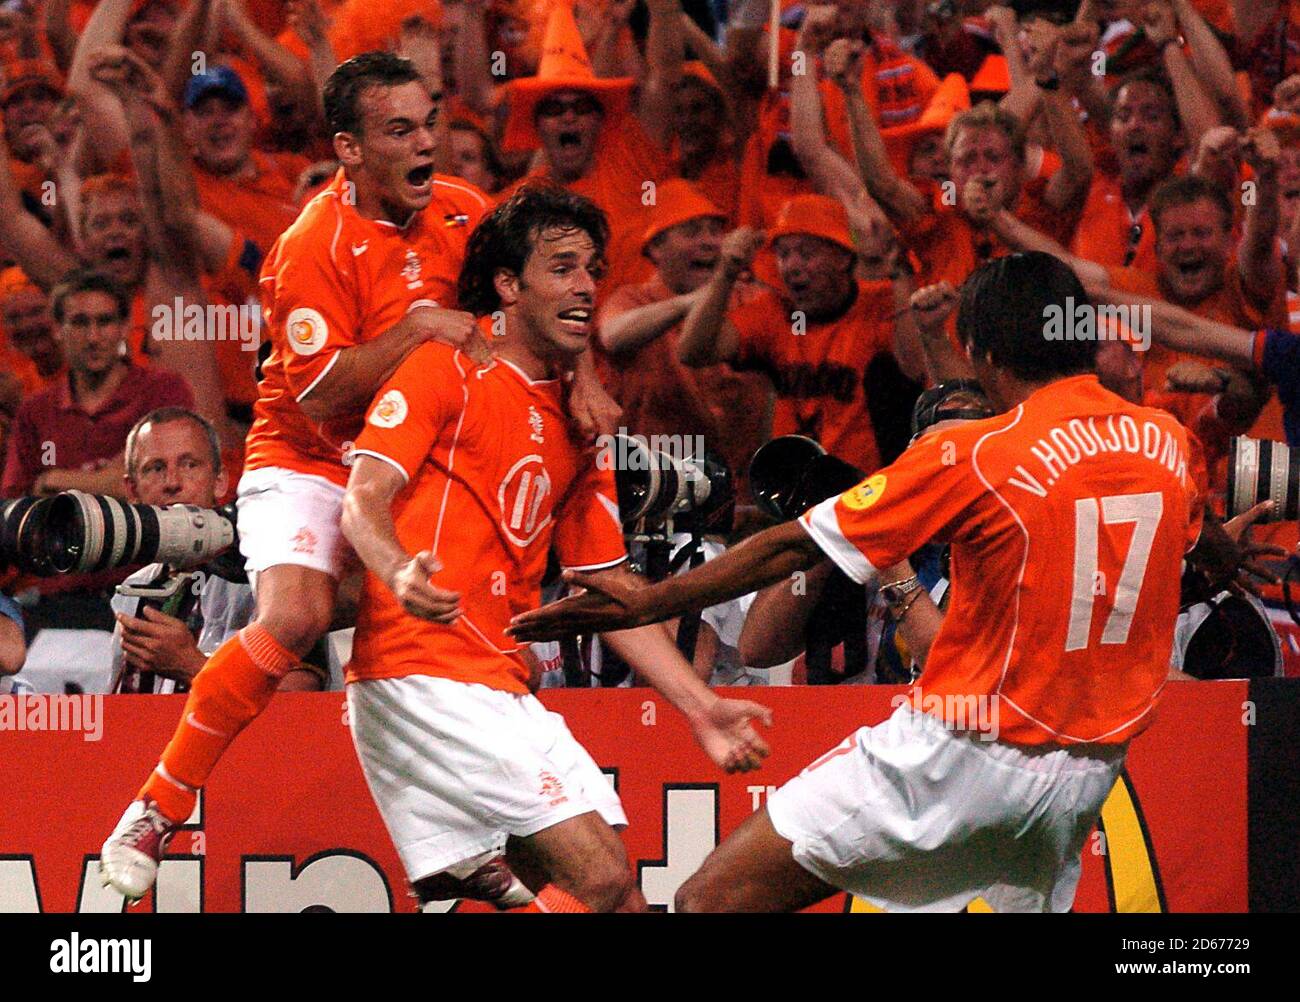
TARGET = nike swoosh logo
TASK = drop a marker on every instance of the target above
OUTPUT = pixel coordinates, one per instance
(189, 719)
(359, 249)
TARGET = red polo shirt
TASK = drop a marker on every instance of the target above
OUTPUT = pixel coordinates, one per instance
(53, 427)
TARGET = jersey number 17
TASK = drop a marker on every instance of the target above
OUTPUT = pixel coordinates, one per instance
(1144, 511)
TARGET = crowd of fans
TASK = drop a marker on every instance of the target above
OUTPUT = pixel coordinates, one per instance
(787, 209)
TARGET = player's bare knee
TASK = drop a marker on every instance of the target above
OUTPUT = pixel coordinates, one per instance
(298, 628)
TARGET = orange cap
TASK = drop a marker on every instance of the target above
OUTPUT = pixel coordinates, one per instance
(564, 66)
(678, 201)
(23, 73)
(816, 216)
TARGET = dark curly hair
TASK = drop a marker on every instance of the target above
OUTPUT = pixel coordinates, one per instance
(506, 237)
(350, 79)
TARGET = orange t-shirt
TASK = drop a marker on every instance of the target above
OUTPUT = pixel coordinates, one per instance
(624, 161)
(1106, 229)
(261, 206)
(819, 375)
(333, 280)
(494, 480)
(23, 368)
(1229, 305)
(661, 396)
(950, 248)
(1068, 517)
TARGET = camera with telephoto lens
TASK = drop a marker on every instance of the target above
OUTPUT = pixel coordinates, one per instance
(791, 473)
(661, 490)
(1263, 470)
(75, 532)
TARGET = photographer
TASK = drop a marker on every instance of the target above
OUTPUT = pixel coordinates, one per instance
(173, 457)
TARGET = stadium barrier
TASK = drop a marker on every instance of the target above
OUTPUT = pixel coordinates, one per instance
(1203, 819)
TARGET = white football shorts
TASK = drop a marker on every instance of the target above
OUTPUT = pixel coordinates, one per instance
(286, 517)
(914, 817)
(456, 768)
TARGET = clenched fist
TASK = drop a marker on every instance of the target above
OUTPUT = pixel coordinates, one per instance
(454, 327)
(739, 247)
(932, 304)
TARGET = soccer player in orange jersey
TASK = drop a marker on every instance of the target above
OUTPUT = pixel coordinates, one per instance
(464, 477)
(359, 280)
(1068, 516)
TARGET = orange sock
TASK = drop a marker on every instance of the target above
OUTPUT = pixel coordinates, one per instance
(551, 899)
(234, 687)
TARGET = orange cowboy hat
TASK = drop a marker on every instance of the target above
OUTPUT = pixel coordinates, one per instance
(677, 201)
(952, 97)
(564, 66)
(816, 216)
(993, 76)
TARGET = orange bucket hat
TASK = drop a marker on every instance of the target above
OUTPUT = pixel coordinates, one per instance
(677, 201)
(816, 216)
(564, 66)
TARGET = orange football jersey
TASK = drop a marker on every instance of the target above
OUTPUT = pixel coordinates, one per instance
(493, 481)
(1068, 517)
(335, 279)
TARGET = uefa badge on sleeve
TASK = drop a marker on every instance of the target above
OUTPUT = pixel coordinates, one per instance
(306, 331)
(865, 494)
(390, 411)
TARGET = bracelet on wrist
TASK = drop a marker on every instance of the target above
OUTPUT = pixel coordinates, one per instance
(899, 613)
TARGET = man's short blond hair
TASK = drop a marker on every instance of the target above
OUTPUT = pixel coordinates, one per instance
(987, 115)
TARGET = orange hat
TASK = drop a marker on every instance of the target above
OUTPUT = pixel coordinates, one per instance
(564, 66)
(678, 201)
(992, 77)
(815, 216)
(23, 73)
(14, 280)
(952, 97)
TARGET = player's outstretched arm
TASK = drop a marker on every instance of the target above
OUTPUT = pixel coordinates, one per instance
(721, 726)
(610, 603)
(368, 525)
(1184, 331)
